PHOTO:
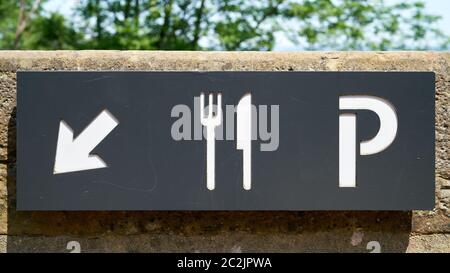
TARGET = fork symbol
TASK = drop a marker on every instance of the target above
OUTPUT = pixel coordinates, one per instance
(210, 121)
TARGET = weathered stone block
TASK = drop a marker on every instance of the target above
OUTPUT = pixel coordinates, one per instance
(223, 231)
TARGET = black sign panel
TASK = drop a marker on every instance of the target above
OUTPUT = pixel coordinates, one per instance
(271, 141)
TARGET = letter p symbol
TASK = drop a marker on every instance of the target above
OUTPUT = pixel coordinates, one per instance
(347, 133)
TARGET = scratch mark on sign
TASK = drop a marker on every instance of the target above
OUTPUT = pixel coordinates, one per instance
(97, 79)
(124, 187)
(297, 99)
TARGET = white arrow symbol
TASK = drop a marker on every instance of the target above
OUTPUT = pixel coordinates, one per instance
(73, 154)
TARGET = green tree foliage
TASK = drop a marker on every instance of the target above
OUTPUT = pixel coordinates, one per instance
(221, 25)
(364, 25)
(51, 32)
(9, 15)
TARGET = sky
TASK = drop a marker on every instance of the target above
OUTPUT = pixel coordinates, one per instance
(435, 7)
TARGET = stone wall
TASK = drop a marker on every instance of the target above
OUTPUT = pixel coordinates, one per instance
(302, 231)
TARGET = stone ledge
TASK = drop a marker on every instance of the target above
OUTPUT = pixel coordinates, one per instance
(221, 61)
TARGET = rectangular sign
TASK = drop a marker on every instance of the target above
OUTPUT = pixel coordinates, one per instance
(225, 140)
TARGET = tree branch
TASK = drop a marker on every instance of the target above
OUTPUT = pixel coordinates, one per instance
(165, 27)
(23, 20)
(198, 20)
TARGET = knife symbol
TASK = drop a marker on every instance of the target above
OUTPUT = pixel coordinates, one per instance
(244, 137)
